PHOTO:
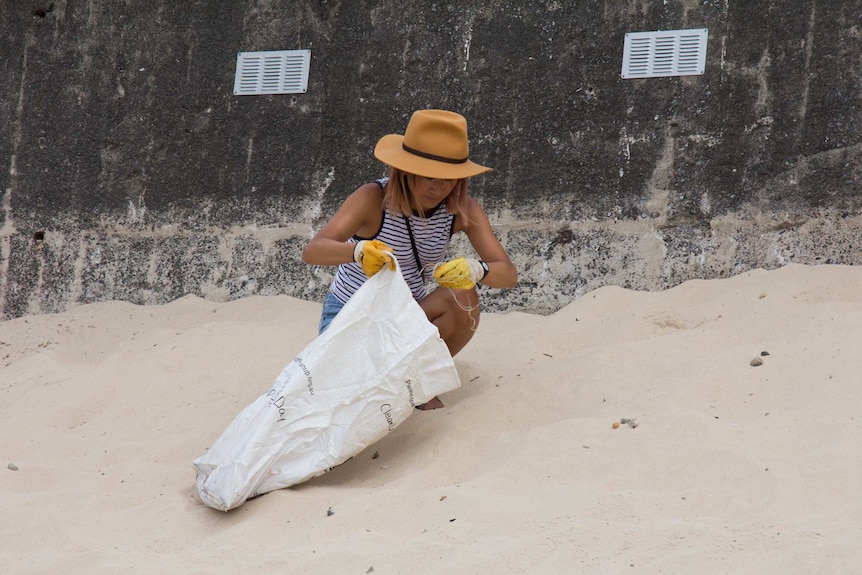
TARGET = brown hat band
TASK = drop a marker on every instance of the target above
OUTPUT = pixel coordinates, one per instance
(421, 154)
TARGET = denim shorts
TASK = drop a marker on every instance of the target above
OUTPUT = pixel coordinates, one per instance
(331, 306)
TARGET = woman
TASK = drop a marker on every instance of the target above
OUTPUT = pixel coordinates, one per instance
(413, 214)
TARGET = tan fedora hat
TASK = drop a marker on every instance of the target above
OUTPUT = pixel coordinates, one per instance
(434, 145)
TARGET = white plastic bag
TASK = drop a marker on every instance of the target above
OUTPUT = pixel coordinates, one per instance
(351, 386)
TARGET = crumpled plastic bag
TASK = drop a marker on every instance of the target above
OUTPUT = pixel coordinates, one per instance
(351, 386)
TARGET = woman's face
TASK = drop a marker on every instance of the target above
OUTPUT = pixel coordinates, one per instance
(428, 192)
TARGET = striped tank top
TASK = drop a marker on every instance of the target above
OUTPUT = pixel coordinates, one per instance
(411, 238)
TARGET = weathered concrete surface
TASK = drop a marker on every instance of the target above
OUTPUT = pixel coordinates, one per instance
(132, 172)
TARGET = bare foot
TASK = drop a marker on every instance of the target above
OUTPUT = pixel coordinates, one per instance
(433, 403)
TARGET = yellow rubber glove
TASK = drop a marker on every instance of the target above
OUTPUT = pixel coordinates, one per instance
(373, 255)
(460, 273)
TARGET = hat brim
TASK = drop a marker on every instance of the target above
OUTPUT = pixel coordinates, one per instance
(390, 151)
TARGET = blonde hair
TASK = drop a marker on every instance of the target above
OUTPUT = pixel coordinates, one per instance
(398, 199)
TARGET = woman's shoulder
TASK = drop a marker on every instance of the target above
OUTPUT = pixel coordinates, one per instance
(370, 193)
(471, 213)
(366, 205)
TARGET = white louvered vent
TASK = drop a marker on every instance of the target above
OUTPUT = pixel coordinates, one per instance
(664, 53)
(277, 72)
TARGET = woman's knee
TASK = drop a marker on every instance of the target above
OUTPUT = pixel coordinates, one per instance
(452, 310)
(459, 324)
(467, 302)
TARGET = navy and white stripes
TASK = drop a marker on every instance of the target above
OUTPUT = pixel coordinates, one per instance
(431, 236)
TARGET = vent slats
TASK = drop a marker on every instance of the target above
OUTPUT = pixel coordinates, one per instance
(664, 53)
(276, 72)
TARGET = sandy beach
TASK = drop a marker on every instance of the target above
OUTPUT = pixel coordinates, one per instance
(721, 466)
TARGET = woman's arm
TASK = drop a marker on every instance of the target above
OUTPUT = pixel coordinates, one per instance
(501, 272)
(359, 215)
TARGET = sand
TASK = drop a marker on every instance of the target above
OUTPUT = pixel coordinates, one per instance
(729, 467)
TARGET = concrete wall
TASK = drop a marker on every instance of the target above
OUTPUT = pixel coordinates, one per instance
(130, 171)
